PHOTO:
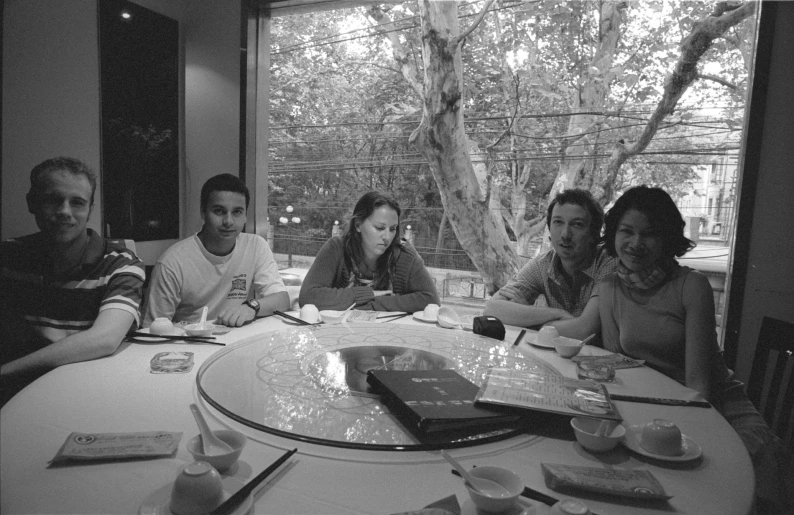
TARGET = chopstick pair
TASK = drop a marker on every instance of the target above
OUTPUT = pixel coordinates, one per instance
(520, 336)
(234, 501)
(529, 493)
(294, 319)
(394, 316)
(174, 338)
(658, 400)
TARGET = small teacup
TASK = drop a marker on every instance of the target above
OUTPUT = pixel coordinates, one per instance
(662, 437)
(161, 325)
(310, 313)
(431, 311)
(570, 507)
(197, 489)
(546, 334)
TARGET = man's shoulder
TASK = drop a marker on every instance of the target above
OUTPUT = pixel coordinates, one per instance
(180, 249)
(540, 262)
(252, 240)
(28, 243)
(604, 264)
(23, 253)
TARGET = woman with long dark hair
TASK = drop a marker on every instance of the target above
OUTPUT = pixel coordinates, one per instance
(369, 266)
(659, 311)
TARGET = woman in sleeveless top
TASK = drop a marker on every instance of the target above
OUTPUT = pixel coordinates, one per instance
(656, 310)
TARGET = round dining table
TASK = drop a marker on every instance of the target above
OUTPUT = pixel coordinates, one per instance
(120, 394)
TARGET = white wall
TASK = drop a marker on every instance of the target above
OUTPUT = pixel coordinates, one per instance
(50, 98)
(212, 98)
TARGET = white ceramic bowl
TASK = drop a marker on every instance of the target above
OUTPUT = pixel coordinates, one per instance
(662, 437)
(585, 428)
(545, 335)
(331, 316)
(448, 318)
(197, 330)
(197, 489)
(222, 462)
(569, 507)
(507, 479)
(567, 347)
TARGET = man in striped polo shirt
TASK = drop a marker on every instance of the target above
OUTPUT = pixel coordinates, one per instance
(66, 293)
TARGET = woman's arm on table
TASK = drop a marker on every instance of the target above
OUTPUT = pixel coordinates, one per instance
(702, 350)
(319, 286)
(418, 291)
(589, 322)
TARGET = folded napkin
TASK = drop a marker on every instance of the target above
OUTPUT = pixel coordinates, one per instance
(446, 506)
(637, 484)
(85, 447)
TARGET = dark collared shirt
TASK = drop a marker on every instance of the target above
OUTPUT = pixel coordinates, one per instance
(545, 276)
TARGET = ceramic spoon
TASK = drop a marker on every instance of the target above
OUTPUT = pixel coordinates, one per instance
(483, 486)
(213, 446)
(347, 312)
(603, 428)
(203, 322)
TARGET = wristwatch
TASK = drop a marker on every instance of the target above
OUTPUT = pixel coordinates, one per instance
(253, 304)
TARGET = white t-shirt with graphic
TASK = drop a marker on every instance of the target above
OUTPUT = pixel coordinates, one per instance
(187, 277)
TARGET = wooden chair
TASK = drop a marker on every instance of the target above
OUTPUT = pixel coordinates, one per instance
(771, 385)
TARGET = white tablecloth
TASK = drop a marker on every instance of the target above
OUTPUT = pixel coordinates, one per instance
(119, 394)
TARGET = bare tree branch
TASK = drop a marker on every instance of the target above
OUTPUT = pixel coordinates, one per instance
(684, 74)
(718, 80)
(473, 25)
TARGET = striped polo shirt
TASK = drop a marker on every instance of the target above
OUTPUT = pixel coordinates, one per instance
(49, 308)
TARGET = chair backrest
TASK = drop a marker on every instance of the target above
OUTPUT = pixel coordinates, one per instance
(771, 385)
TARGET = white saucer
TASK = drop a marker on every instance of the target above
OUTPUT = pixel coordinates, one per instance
(692, 450)
(158, 503)
(177, 331)
(523, 506)
(533, 340)
(420, 315)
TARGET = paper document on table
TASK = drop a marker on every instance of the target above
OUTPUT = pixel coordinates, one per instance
(117, 446)
(362, 316)
(546, 392)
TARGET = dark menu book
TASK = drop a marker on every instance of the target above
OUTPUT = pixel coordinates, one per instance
(431, 401)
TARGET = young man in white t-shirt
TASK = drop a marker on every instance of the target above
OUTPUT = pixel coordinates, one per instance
(231, 272)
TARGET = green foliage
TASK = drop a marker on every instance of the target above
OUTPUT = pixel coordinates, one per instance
(342, 112)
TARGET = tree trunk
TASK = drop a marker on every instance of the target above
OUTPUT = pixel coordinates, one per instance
(441, 139)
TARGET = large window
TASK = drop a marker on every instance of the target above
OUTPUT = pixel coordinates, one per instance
(551, 89)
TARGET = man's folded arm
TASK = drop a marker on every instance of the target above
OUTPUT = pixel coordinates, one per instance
(102, 339)
(522, 315)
